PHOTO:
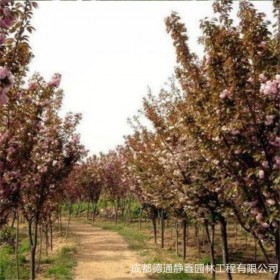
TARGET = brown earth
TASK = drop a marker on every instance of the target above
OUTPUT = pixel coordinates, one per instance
(103, 255)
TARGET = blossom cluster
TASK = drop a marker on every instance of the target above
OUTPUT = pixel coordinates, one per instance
(6, 83)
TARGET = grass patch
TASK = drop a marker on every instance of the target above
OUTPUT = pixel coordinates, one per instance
(8, 264)
(23, 246)
(134, 238)
(62, 265)
(139, 240)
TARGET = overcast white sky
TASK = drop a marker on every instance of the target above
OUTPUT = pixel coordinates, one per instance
(108, 53)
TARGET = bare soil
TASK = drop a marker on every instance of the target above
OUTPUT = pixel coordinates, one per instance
(103, 255)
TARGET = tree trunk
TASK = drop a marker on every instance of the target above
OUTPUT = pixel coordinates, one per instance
(177, 238)
(122, 206)
(223, 224)
(16, 245)
(212, 246)
(162, 228)
(78, 210)
(33, 245)
(14, 219)
(277, 252)
(255, 249)
(154, 222)
(94, 207)
(68, 224)
(197, 240)
(40, 247)
(88, 206)
(60, 221)
(264, 252)
(235, 238)
(184, 223)
(116, 211)
(140, 219)
(128, 212)
(51, 235)
(47, 239)
(203, 239)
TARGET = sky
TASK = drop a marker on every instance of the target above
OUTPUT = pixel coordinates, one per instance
(109, 53)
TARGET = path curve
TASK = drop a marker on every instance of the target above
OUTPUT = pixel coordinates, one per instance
(103, 255)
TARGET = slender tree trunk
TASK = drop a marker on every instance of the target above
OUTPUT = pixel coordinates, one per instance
(277, 252)
(162, 228)
(171, 230)
(203, 239)
(212, 246)
(197, 240)
(47, 239)
(60, 221)
(16, 245)
(154, 222)
(128, 212)
(40, 246)
(223, 224)
(255, 249)
(116, 211)
(14, 219)
(184, 223)
(51, 235)
(68, 223)
(140, 218)
(94, 207)
(267, 260)
(122, 205)
(246, 240)
(33, 245)
(177, 237)
(88, 208)
(235, 229)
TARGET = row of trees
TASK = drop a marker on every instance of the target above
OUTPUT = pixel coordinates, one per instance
(213, 152)
(211, 156)
(38, 147)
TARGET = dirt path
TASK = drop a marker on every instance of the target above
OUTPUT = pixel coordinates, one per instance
(103, 255)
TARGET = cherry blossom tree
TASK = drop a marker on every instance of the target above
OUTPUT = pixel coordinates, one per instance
(232, 110)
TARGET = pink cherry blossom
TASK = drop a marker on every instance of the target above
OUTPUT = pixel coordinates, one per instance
(3, 73)
(265, 164)
(271, 201)
(7, 18)
(259, 217)
(250, 80)
(253, 211)
(261, 174)
(3, 99)
(269, 120)
(2, 38)
(225, 93)
(277, 160)
(55, 81)
(265, 225)
(11, 150)
(32, 85)
(235, 132)
(262, 78)
(252, 203)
